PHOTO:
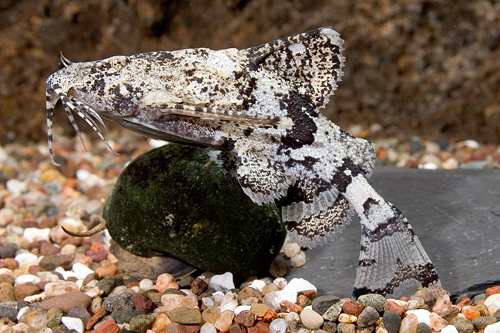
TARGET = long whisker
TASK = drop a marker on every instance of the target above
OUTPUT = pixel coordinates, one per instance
(90, 112)
(71, 105)
(50, 101)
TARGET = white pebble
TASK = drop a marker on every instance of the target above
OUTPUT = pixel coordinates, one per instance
(83, 175)
(68, 249)
(280, 282)
(273, 299)
(208, 328)
(15, 229)
(493, 328)
(423, 316)
(493, 303)
(73, 324)
(278, 326)
(24, 258)
(291, 249)
(16, 187)
(258, 284)
(27, 278)
(33, 298)
(229, 302)
(136, 289)
(224, 280)
(298, 260)
(300, 284)
(32, 233)
(22, 311)
(449, 329)
(311, 319)
(241, 308)
(47, 276)
(145, 284)
(5, 271)
(81, 270)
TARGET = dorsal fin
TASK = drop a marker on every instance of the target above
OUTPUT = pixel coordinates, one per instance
(311, 62)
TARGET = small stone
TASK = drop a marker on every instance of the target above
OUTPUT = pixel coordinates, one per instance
(109, 270)
(66, 301)
(298, 260)
(462, 325)
(222, 281)
(189, 328)
(37, 319)
(291, 249)
(79, 312)
(392, 321)
(208, 328)
(248, 292)
(287, 307)
(423, 328)
(97, 253)
(27, 278)
(199, 285)
(259, 328)
(277, 269)
(25, 258)
(493, 328)
(269, 288)
(107, 284)
(109, 326)
(409, 324)
(483, 321)
(68, 249)
(54, 316)
(164, 282)
(81, 270)
(7, 292)
(8, 250)
(142, 303)
(311, 319)
(269, 316)
(124, 301)
(347, 318)
(449, 329)
(73, 324)
(390, 305)
(259, 309)
(185, 315)
(437, 323)
(322, 303)
(492, 290)
(278, 326)
(236, 328)
(223, 323)
(125, 316)
(7, 278)
(60, 287)
(330, 326)
(245, 318)
(368, 316)
(172, 301)
(24, 290)
(423, 315)
(492, 302)
(352, 308)
(470, 313)
(333, 312)
(141, 323)
(161, 322)
(346, 328)
(375, 300)
(8, 311)
(211, 314)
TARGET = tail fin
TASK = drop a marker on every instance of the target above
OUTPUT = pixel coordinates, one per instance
(392, 257)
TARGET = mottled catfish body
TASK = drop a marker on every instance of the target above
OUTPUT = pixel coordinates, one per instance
(259, 108)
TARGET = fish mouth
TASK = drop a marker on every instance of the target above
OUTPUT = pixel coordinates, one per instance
(71, 105)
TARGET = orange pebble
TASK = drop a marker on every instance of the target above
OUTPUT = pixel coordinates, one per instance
(492, 290)
(471, 313)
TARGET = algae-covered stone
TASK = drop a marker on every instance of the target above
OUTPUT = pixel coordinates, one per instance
(175, 200)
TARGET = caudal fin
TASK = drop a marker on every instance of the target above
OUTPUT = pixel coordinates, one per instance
(392, 257)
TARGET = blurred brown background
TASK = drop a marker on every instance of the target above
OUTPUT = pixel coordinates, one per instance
(426, 68)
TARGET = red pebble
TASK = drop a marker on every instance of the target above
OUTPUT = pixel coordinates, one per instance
(237, 328)
(287, 307)
(259, 328)
(97, 253)
(269, 316)
(245, 318)
(188, 328)
(352, 308)
(492, 290)
(109, 326)
(391, 305)
(142, 303)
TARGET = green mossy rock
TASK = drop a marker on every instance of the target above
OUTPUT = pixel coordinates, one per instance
(174, 200)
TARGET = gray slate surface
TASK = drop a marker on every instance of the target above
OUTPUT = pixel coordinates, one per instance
(455, 213)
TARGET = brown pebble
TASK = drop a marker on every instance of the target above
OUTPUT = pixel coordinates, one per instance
(142, 303)
(109, 326)
(95, 318)
(47, 248)
(109, 270)
(76, 241)
(7, 278)
(245, 318)
(7, 292)
(391, 305)
(97, 253)
(269, 316)
(41, 285)
(35, 269)
(237, 328)
(161, 323)
(26, 289)
(188, 328)
(303, 301)
(260, 327)
(311, 294)
(66, 301)
(352, 308)
(48, 222)
(132, 284)
(268, 288)
(287, 307)
(248, 292)
(90, 277)
(12, 264)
